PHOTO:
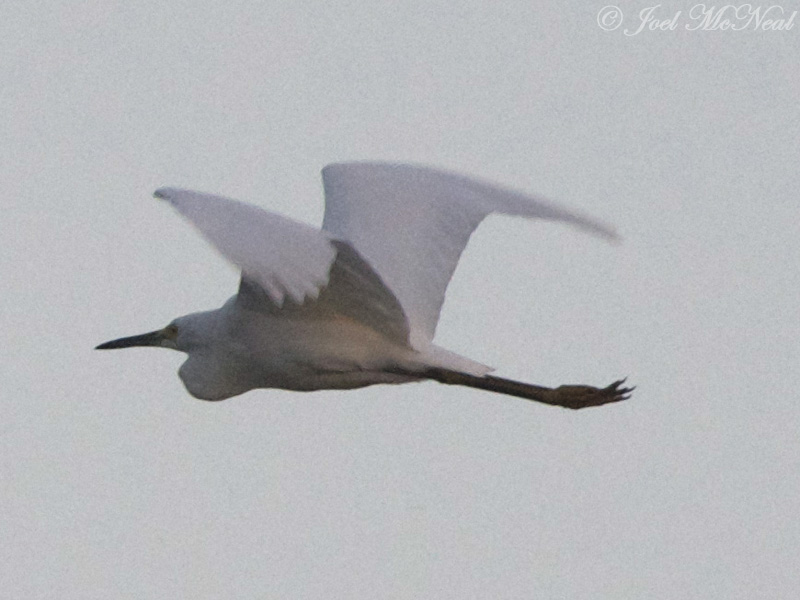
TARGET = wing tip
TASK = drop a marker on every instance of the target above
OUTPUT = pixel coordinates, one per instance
(165, 193)
(589, 225)
(607, 232)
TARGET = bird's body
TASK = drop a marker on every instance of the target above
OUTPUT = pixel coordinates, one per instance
(263, 350)
(353, 304)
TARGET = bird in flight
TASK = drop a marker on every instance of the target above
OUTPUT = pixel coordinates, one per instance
(355, 303)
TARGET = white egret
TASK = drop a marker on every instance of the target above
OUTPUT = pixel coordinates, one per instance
(355, 303)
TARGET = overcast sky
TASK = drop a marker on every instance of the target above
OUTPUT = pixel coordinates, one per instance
(117, 484)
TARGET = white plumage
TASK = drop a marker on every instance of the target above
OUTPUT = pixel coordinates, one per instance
(356, 302)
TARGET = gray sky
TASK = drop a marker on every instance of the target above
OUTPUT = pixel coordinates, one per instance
(117, 484)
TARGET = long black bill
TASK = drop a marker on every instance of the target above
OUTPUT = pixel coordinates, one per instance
(154, 338)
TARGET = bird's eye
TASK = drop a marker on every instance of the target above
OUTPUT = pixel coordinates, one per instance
(171, 331)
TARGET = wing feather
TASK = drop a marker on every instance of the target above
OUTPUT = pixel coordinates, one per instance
(411, 223)
(354, 291)
(285, 257)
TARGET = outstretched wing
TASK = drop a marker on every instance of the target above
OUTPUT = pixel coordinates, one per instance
(411, 223)
(284, 257)
(290, 267)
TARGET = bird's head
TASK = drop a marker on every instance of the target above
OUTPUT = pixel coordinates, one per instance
(212, 371)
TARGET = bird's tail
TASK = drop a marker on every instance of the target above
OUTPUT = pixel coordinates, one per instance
(568, 396)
